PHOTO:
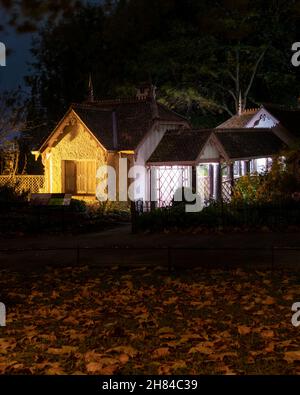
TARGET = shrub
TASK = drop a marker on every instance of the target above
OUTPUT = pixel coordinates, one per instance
(179, 198)
(10, 193)
(277, 185)
(78, 206)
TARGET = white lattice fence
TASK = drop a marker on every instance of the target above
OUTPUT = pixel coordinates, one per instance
(226, 191)
(32, 184)
(203, 187)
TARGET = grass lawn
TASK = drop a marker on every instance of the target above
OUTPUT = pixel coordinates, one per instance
(140, 321)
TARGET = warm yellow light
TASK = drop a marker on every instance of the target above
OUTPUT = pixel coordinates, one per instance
(126, 152)
(36, 154)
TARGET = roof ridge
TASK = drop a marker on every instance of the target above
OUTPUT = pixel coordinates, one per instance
(89, 107)
(249, 110)
(189, 130)
(121, 100)
(244, 130)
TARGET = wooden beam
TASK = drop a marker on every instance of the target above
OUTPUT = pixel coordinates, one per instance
(211, 180)
(218, 182)
(194, 179)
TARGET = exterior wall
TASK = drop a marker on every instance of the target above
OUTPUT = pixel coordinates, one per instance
(210, 152)
(146, 149)
(152, 140)
(75, 143)
(113, 161)
(263, 119)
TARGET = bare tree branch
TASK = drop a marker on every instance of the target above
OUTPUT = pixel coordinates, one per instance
(253, 76)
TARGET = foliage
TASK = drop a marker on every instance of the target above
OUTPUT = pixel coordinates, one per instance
(202, 55)
(278, 184)
(78, 206)
(110, 209)
(278, 215)
(182, 196)
(91, 320)
(16, 134)
(25, 15)
(10, 193)
(12, 114)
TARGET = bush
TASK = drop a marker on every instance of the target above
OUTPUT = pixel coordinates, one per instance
(78, 206)
(179, 198)
(277, 185)
(216, 215)
(10, 193)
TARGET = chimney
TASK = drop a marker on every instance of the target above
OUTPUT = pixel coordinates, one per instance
(143, 91)
(115, 129)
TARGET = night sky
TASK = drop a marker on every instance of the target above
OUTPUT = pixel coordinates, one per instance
(18, 61)
(17, 65)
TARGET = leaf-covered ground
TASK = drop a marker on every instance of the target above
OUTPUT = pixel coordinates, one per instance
(144, 321)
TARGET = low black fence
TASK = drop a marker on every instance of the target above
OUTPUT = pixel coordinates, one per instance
(278, 216)
(169, 258)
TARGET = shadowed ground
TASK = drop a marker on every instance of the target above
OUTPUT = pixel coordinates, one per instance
(119, 245)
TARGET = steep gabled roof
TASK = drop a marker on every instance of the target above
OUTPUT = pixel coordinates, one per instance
(185, 145)
(249, 143)
(182, 145)
(239, 121)
(288, 118)
(133, 117)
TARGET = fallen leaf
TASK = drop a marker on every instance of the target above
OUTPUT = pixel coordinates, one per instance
(201, 348)
(63, 350)
(161, 352)
(269, 300)
(243, 329)
(55, 369)
(130, 351)
(124, 358)
(7, 344)
(292, 356)
(221, 356)
(267, 333)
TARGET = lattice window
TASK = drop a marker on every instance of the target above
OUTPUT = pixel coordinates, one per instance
(168, 180)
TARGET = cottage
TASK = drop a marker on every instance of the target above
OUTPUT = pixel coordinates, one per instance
(100, 133)
(146, 133)
(208, 160)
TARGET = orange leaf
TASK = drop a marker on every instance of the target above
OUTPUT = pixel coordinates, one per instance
(161, 352)
(243, 329)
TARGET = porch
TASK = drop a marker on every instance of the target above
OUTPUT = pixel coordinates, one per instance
(211, 181)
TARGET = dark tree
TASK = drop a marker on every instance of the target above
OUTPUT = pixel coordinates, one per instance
(206, 56)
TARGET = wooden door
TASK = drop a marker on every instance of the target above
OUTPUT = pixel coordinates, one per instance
(86, 177)
(81, 177)
(70, 176)
(91, 178)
